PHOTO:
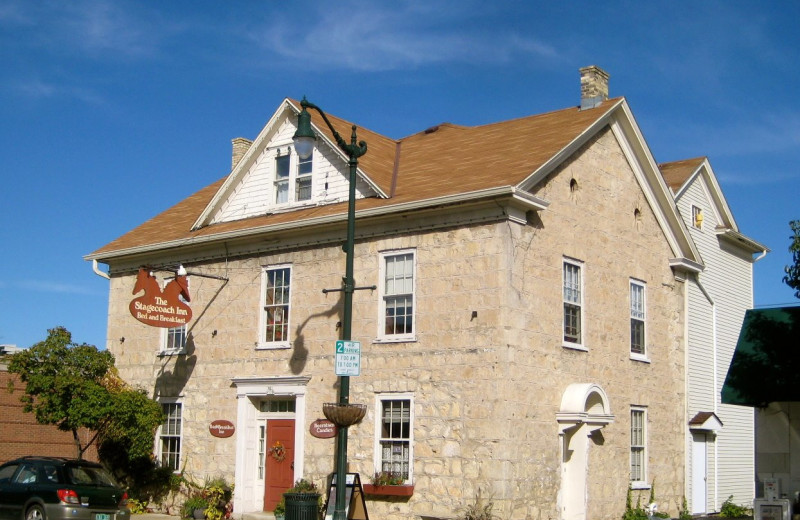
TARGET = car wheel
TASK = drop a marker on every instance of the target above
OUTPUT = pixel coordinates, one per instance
(35, 513)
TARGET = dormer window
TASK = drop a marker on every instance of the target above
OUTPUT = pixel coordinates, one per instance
(282, 179)
(285, 179)
(303, 182)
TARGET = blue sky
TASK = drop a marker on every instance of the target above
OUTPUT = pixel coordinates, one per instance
(111, 111)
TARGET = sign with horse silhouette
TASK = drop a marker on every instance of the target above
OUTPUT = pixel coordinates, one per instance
(161, 308)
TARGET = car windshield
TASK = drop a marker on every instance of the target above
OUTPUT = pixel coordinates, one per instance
(89, 475)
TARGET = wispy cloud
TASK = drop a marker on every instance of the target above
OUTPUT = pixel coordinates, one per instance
(38, 89)
(52, 287)
(88, 28)
(400, 35)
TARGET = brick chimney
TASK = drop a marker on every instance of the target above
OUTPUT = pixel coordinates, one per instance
(240, 147)
(594, 86)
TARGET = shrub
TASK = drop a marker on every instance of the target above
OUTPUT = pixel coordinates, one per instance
(684, 513)
(731, 510)
(303, 486)
(192, 503)
(480, 510)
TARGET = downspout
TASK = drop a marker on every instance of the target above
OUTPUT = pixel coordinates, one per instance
(98, 272)
(714, 364)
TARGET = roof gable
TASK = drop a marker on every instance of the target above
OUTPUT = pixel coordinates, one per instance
(251, 189)
(682, 175)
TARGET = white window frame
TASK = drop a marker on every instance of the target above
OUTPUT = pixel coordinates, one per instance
(383, 336)
(183, 330)
(284, 342)
(287, 181)
(380, 398)
(293, 180)
(160, 436)
(581, 343)
(638, 447)
(697, 217)
(638, 311)
(306, 176)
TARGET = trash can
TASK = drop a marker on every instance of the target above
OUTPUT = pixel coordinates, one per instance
(302, 506)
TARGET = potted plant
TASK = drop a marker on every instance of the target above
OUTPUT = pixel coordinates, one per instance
(280, 510)
(194, 507)
(302, 500)
(389, 483)
(218, 494)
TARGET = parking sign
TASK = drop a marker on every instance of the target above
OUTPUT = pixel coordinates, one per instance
(348, 358)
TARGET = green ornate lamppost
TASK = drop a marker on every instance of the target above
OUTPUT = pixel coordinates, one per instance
(304, 140)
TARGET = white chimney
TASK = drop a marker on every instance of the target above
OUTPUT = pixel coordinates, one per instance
(594, 86)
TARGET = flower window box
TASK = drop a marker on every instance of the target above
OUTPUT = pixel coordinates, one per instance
(404, 490)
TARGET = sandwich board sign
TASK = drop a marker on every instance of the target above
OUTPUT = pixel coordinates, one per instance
(348, 358)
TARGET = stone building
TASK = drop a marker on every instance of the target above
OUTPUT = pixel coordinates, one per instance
(521, 314)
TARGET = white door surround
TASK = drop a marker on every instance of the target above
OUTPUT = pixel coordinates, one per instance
(248, 493)
(584, 410)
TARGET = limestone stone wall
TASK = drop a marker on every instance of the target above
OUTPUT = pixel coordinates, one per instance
(487, 369)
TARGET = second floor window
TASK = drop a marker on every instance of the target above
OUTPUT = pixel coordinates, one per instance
(173, 339)
(573, 304)
(276, 294)
(637, 318)
(397, 295)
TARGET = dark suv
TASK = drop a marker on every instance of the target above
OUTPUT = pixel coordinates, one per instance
(52, 488)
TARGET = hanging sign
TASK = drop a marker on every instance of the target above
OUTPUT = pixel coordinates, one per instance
(159, 308)
(221, 428)
(323, 429)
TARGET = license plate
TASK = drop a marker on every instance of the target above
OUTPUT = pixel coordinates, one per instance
(102, 516)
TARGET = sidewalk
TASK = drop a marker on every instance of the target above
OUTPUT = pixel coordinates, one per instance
(246, 516)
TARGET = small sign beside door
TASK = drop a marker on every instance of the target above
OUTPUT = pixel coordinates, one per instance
(221, 428)
(323, 429)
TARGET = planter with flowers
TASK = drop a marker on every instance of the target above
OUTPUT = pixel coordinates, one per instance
(389, 484)
(302, 500)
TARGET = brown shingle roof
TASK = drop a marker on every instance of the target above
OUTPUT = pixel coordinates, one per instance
(449, 160)
(676, 173)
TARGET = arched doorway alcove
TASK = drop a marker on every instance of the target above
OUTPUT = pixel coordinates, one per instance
(584, 410)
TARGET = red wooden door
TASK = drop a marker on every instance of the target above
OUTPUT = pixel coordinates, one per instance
(280, 473)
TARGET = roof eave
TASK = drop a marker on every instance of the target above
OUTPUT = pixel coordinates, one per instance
(521, 199)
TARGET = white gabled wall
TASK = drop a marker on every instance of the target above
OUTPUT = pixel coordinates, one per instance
(716, 308)
(255, 193)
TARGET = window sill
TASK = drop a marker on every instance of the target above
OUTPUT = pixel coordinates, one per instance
(274, 346)
(170, 353)
(401, 339)
(640, 485)
(641, 358)
(575, 346)
(395, 491)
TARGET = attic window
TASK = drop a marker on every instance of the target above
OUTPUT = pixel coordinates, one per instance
(697, 217)
(303, 182)
(282, 179)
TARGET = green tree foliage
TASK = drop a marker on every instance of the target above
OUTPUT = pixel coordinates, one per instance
(63, 383)
(792, 278)
(76, 386)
